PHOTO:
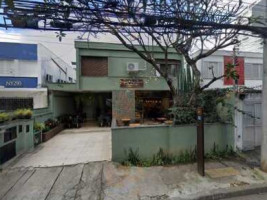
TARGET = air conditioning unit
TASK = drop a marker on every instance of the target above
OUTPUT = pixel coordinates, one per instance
(132, 67)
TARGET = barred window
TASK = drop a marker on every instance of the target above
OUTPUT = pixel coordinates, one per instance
(15, 103)
(208, 67)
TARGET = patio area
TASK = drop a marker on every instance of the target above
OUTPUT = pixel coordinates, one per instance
(71, 146)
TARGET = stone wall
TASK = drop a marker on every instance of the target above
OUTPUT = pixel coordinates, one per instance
(123, 104)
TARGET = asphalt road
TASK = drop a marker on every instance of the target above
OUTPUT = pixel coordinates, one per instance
(251, 197)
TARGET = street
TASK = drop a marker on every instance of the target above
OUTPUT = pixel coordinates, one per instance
(251, 197)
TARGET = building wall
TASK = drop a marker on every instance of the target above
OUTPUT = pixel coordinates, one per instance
(255, 58)
(173, 139)
(53, 65)
(118, 57)
(39, 95)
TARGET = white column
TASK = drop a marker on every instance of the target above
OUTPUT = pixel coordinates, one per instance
(264, 106)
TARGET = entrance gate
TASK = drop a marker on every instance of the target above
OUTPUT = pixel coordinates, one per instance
(252, 123)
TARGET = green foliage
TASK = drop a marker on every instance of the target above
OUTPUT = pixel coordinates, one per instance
(162, 158)
(183, 115)
(217, 154)
(209, 100)
(38, 126)
(133, 158)
(4, 117)
(185, 80)
(231, 72)
(23, 113)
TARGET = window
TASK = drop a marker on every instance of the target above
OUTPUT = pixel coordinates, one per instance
(20, 128)
(253, 71)
(49, 78)
(27, 128)
(94, 66)
(15, 103)
(171, 70)
(10, 134)
(208, 67)
(70, 79)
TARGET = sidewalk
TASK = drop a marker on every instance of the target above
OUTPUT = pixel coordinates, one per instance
(112, 181)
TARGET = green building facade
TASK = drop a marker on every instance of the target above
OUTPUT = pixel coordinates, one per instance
(103, 74)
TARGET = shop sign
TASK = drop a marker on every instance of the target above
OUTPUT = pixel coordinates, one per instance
(131, 83)
(18, 82)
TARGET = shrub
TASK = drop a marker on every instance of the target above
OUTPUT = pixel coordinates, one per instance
(23, 113)
(4, 117)
(38, 126)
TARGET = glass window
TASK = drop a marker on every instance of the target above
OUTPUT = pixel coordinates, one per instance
(20, 128)
(171, 70)
(27, 128)
(10, 134)
(211, 69)
(253, 71)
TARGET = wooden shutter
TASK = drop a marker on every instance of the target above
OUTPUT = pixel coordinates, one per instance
(239, 69)
(94, 66)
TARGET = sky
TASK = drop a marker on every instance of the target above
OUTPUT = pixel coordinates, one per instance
(65, 49)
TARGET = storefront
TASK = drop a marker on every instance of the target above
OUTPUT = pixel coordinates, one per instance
(136, 92)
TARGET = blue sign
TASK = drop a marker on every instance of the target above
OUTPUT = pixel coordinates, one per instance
(19, 82)
(18, 51)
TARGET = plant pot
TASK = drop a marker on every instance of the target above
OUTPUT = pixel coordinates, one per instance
(19, 22)
(61, 24)
(27, 117)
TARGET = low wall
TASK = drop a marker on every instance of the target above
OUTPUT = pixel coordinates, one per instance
(41, 115)
(51, 133)
(174, 139)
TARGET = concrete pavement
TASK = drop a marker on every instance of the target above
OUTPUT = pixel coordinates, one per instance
(71, 146)
(111, 181)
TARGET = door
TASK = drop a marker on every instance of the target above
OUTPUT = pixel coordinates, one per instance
(252, 125)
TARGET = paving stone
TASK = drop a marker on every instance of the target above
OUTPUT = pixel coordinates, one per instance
(8, 180)
(221, 172)
(67, 183)
(26, 176)
(90, 187)
(37, 186)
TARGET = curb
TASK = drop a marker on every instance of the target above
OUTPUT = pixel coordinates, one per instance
(233, 192)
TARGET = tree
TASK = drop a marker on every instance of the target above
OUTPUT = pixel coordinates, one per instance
(184, 25)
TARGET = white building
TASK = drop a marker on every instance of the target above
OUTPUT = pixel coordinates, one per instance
(24, 71)
(248, 43)
(250, 63)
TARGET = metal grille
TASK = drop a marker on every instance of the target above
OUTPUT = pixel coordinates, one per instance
(15, 103)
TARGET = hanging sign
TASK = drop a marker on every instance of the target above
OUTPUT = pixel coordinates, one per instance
(131, 83)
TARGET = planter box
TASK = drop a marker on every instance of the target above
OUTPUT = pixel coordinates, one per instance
(49, 134)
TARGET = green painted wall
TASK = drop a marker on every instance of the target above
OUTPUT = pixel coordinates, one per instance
(24, 140)
(173, 139)
(118, 57)
(62, 103)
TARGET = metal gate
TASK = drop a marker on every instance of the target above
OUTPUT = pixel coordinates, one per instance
(252, 123)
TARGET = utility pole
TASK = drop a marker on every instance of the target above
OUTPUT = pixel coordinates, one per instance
(264, 103)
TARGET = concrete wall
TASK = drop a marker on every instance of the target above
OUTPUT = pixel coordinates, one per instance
(147, 140)
(62, 103)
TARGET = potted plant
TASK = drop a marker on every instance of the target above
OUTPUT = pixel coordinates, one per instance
(4, 117)
(27, 114)
(19, 113)
(38, 126)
